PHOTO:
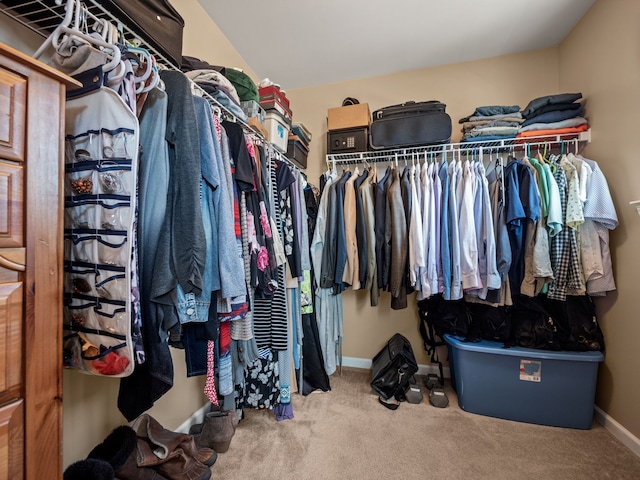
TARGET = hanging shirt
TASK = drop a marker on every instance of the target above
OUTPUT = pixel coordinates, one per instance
(380, 213)
(435, 273)
(361, 232)
(368, 205)
(351, 274)
(589, 240)
(416, 240)
(522, 203)
(445, 244)
(341, 240)
(427, 234)
(455, 171)
(537, 265)
(398, 236)
(574, 215)
(487, 256)
(599, 208)
(564, 259)
(468, 241)
(555, 221)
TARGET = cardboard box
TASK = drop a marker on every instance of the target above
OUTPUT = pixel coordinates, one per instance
(258, 126)
(350, 116)
(533, 386)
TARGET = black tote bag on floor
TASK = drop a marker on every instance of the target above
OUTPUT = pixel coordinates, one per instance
(393, 367)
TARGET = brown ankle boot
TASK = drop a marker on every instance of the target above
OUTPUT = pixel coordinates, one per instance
(215, 432)
(203, 454)
(170, 454)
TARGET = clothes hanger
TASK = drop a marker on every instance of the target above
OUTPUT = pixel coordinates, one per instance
(72, 11)
(141, 56)
(155, 79)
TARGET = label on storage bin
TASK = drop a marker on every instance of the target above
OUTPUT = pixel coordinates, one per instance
(530, 370)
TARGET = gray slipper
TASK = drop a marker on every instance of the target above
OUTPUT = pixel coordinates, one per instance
(438, 398)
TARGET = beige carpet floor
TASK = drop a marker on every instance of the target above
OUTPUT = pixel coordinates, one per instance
(347, 434)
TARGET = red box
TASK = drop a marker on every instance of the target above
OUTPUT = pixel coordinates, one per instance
(271, 91)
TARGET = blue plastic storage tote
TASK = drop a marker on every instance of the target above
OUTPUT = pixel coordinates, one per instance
(522, 384)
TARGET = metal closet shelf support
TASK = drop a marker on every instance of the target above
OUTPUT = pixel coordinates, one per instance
(573, 141)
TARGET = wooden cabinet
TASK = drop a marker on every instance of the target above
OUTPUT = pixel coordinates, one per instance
(32, 97)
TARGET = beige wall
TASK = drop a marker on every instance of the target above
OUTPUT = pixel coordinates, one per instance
(17, 36)
(601, 58)
(507, 80)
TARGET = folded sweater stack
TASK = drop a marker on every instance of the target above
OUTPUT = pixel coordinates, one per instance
(553, 115)
(212, 80)
(496, 122)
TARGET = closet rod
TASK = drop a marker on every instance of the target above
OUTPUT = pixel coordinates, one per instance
(466, 148)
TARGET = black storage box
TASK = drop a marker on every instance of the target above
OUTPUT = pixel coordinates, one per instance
(410, 124)
(297, 151)
(348, 140)
(393, 367)
(155, 21)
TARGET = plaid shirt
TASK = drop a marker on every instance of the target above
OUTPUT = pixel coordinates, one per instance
(565, 260)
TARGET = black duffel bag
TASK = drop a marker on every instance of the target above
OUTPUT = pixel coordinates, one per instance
(393, 367)
(156, 22)
(410, 124)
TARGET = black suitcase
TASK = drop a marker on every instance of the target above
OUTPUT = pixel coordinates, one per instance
(410, 124)
(156, 22)
(393, 367)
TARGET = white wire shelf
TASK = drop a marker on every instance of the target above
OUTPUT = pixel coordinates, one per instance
(43, 16)
(573, 141)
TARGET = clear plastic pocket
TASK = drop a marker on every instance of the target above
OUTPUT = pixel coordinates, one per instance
(80, 248)
(113, 216)
(82, 148)
(81, 183)
(80, 315)
(114, 181)
(81, 216)
(79, 283)
(111, 285)
(113, 250)
(117, 144)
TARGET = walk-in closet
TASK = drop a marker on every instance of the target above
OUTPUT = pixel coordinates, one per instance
(221, 233)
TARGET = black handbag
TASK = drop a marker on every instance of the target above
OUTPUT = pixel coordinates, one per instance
(410, 124)
(156, 22)
(393, 367)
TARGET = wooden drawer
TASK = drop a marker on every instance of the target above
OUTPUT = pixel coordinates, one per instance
(12, 441)
(11, 205)
(12, 115)
(10, 341)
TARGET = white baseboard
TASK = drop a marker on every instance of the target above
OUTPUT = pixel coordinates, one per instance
(365, 363)
(197, 417)
(625, 436)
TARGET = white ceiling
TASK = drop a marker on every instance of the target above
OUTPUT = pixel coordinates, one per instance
(301, 43)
